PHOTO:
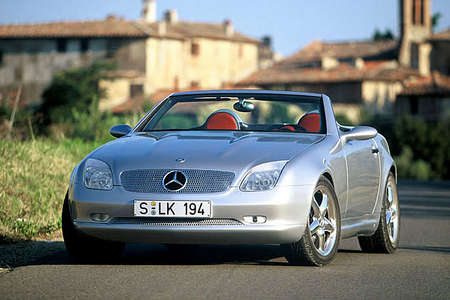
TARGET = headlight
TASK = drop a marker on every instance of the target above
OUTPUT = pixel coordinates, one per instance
(97, 175)
(263, 177)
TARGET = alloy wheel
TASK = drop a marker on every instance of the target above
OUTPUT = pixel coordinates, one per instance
(392, 213)
(322, 223)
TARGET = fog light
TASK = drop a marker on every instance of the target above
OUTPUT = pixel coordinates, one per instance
(99, 217)
(255, 219)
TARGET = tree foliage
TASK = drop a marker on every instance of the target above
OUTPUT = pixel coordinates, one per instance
(435, 20)
(383, 36)
(72, 90)
(421, 148)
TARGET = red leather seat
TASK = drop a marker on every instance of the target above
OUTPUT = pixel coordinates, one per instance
(288, 127)
(310, 122)
(222, 120)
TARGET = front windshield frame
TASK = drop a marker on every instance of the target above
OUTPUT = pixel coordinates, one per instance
(166, 105)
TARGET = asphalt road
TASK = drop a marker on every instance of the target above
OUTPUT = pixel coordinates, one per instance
(419, 269)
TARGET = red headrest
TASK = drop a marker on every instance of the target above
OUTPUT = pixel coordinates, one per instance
(222, 120)
(310, 122)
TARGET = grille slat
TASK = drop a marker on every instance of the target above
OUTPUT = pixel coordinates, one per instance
(167, 222)
(198, 181)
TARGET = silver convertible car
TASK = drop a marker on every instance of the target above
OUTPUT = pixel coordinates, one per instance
(236, 167)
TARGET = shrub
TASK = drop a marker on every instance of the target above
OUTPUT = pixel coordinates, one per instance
(410, 169)
(428, 144)
(343, 120)
(74, 89)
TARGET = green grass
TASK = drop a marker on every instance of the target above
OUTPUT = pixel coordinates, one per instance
(33, 181)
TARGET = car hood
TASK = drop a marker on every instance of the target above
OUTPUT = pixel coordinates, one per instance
(228, 151)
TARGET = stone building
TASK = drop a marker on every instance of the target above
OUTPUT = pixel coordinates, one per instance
(440, 52)
(369, 74)
(426, 97)
(150, 54)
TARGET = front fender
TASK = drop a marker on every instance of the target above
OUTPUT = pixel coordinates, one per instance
(387, 163)
(317, 160)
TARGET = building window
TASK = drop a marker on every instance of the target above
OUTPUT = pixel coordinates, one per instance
(18, 74)
(422, 13)
(414, 106)
(112, 46)
(195, 85)
(241, 51)
(418, 12)
(84, 45)
(414, 63)
(136, 90)
(195, 49)
(61, 45)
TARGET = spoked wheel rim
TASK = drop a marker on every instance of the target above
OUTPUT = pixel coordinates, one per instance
(322, 222)
(392, 215)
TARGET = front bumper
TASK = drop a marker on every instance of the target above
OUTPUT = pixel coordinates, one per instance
(285, 207)
(246, 234)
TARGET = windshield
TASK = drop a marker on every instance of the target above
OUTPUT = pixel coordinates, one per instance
(266, 113)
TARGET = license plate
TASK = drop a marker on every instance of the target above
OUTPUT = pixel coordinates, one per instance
(167, 209)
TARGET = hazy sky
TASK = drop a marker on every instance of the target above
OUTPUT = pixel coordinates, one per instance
(291, 23)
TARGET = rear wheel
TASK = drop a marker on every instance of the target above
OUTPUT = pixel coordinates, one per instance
(385, 239)
(84, 247)
(319, 243)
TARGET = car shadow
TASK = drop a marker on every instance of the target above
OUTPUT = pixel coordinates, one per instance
(54, 253)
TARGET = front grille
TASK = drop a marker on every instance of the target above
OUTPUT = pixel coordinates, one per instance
(198, 181)
(167, 222)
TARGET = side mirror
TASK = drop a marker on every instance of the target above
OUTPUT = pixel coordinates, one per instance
(359, 133)
(119, 130)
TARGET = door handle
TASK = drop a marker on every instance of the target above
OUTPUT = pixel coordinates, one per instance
(375, 150)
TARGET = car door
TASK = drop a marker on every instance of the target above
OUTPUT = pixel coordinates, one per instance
(363, 176)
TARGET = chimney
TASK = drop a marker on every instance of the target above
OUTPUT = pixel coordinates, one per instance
(148, 13)
(111, 17)
(228, 27)
(329, 62)
(359, 63)
(162, 27)
(171, 16)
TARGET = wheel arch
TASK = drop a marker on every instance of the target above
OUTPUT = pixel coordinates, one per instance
(328, 176)
(393, 170)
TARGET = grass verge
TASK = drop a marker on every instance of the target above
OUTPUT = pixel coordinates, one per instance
(34, 177)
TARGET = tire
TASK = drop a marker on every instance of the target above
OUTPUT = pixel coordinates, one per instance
(83, 247)
(385, 239)
(323, 227)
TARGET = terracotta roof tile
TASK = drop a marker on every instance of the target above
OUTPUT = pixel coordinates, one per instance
(344, 72)
(184, 29)
(364, 49)
(434, 84)
(114, 27)
(441, 36)
(305, 65)
(110, 27)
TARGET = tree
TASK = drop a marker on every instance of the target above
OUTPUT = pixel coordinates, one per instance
(72, 90)
(383, 36)
(435, 20)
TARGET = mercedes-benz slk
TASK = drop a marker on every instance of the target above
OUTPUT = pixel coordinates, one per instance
(236, 167)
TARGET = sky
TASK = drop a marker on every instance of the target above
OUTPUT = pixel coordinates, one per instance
(292, 24)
